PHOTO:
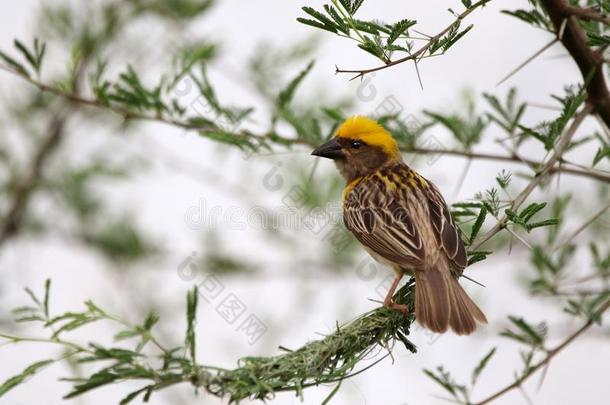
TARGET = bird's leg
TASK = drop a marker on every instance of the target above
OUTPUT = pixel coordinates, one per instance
(388, 303)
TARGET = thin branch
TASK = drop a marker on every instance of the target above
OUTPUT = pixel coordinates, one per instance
(519, 238)
(463, 176)
(13, 339)
(585, 279)
(583, 227)
(420, 52)
(550, 355)
(127, 114)
(592, 173)
(528, 60)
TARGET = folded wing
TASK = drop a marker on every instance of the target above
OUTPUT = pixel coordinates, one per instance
(445, 230)
(386, 227)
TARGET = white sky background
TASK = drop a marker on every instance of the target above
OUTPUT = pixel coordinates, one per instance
(296, 309)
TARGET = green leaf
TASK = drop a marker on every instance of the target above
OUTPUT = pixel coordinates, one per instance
(119, 354)
(191, 55)
(598, 39)
(462, 213)
(45, 303)
(316, 24)
(151, 320)
(534, 17)
(191, 314)
(443, 378)
(242, 141)
(366, 26)
(372, 47)
(133, 395)
(347, 5)
(481, 366)
(126, 334)
(531, 210)
(468, 204)
(341, 25)
(287, 94)
(524, 217)
(546, 222)
(477, 256)
(355, 6)
(97, 380)
(329, 24)
(454, 38)
(25, 52)
(33, 296)
(507, 115)
(35, 59)
(532, 335)
(503, 178)
(334, 114)
(14, 64)
(595, 306)
(399, 28)
(602, 153)
(492, 201)
(120, 240)
(202, 123)
(466, 128)
(75, 324)
(351, 6)
(478, 224)
(20, 378)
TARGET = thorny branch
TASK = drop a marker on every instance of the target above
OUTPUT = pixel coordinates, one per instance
(555, 157)
(133, 115)
(515, 158)
(79, 99)
(589, 61)
(547, 359)
(417, 55)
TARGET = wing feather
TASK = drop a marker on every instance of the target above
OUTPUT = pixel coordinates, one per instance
(445, 230)
(383, 224)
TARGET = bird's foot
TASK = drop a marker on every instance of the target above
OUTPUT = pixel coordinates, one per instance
(402, 308)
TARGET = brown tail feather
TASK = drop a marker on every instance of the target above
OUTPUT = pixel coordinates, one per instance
(441, 302)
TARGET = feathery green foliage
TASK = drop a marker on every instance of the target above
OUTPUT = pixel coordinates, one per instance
(384, 40)
(325, 361)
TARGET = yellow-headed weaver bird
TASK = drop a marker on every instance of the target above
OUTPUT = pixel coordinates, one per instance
(402, 220)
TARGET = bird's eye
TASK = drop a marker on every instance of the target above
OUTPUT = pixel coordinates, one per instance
(357, 144)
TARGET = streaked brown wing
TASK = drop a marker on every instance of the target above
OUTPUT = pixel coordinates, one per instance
(445, 230)
(383, 226)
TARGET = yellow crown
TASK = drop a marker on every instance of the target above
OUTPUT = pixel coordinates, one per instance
(370, 132)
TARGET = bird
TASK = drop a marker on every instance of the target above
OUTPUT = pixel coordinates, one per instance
(403, 221)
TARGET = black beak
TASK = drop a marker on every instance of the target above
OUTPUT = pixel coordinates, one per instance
(331, 150)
